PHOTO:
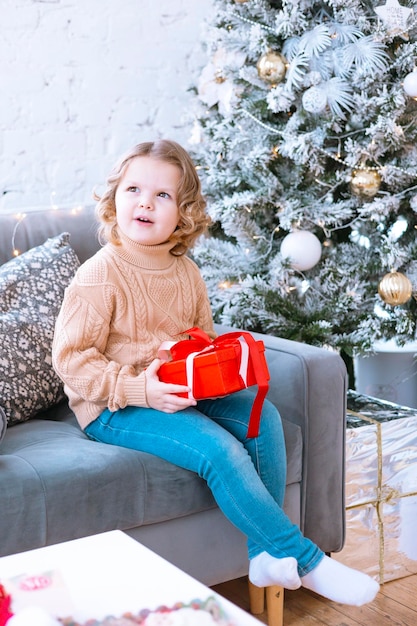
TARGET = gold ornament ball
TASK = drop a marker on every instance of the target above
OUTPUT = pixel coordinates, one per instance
(365, 183)
(272, 67)
(395, 288)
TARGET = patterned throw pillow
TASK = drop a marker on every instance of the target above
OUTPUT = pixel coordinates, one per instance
(31, 291)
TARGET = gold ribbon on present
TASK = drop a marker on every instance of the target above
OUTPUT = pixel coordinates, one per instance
(384, 493)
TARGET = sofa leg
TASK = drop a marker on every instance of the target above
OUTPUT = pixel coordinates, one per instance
(275, 605)
(274, 602)
(256, 599)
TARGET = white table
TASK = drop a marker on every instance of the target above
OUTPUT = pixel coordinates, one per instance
(110, 573)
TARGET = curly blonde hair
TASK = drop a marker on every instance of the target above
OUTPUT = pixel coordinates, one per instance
(193, 220)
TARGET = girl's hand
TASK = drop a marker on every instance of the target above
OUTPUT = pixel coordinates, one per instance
(161, 396)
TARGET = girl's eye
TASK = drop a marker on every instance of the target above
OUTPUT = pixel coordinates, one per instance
(133, 189)
(164, 194)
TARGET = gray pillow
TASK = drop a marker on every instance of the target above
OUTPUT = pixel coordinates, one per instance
(31, 290)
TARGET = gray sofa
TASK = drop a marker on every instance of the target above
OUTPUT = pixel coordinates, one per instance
(56, 485)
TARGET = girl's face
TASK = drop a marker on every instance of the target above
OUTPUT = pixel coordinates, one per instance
(146, 200)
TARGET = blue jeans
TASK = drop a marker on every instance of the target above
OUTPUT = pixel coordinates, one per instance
(246, 476)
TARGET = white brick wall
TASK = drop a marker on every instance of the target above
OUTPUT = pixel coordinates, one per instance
(83, 80)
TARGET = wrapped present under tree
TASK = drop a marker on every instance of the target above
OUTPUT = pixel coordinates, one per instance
(381, 488)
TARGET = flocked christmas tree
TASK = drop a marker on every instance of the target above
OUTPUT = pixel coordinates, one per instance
(306, 140)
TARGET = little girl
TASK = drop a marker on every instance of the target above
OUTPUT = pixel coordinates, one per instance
(139, 290)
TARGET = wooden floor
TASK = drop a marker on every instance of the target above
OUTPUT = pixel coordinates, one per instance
(395, 605)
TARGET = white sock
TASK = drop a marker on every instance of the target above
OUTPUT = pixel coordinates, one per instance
(266, 570)
(340, 583)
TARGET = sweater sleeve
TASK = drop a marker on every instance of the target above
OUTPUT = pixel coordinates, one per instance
(81, 344)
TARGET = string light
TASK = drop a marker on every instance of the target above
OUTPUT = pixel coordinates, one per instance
(376, 168)
(330, 155)
(53, 205)
(339, 149)
(20, 217)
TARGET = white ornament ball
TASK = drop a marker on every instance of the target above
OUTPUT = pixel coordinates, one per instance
(314, 100)
(410, 84)
(303, 249)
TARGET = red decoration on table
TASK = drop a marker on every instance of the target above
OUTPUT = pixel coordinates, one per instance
(218, 368)
(5, 602)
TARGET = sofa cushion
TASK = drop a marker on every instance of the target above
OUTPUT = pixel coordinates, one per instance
(57, 484)
(31, 290)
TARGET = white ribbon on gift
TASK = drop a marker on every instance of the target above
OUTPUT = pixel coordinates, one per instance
(164, 350)
(164, 354)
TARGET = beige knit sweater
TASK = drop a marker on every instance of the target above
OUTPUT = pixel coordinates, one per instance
(122, 303)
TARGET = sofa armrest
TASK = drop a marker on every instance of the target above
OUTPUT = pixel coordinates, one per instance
(309, 387)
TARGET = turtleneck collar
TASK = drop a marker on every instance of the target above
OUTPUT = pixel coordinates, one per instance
(148, 257)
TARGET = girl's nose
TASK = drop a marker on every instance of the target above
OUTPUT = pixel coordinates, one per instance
(145, 202)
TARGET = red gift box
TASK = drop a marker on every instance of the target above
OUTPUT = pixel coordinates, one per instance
(5, 603)
(213, 369)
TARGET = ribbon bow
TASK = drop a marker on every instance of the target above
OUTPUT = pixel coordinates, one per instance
(201, 343)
